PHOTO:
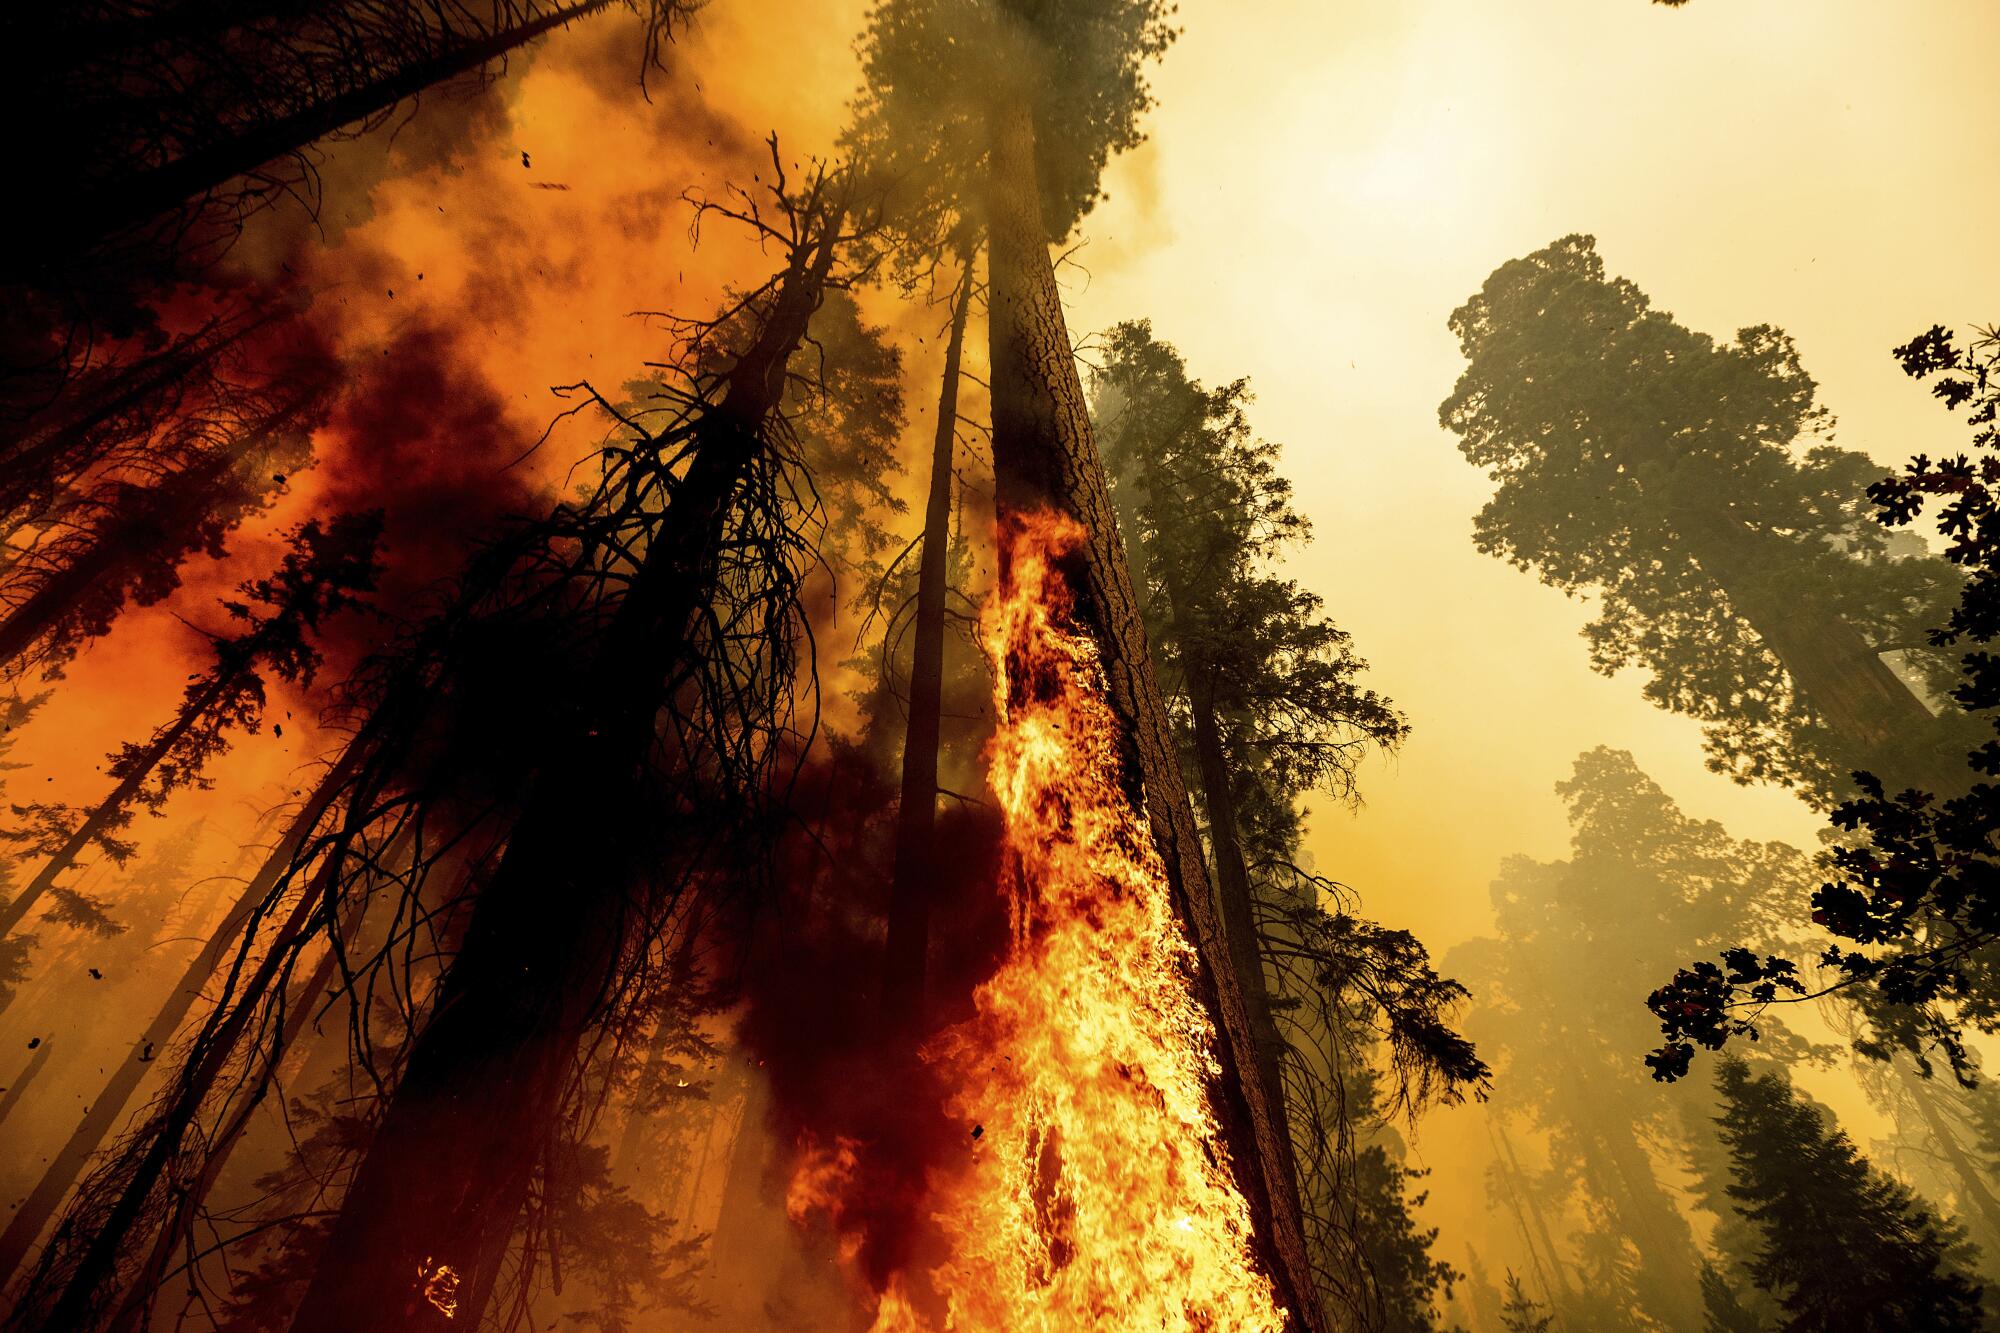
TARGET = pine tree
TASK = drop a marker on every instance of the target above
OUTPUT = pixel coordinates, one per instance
(1722, 1308)
(329, 568)
(1521, 1314)
(1845, 1248)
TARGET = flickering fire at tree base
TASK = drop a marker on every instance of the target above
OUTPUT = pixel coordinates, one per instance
(1100, 1193)
(845, 815)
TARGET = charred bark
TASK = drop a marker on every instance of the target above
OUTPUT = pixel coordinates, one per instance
(913, 886)
(1045, 457)
(450, 1165)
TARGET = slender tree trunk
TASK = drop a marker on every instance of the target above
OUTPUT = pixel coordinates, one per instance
(451, 1163)
(108, 1108)
(105, 815)
(10, 1096)
(1234, 898)
(1527, 1203)
(1972, 1185)
(187, 1195)
(913, 882)
(106, 210)
(1045, 456)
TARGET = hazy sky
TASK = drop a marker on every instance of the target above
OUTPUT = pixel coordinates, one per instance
(1324, 183)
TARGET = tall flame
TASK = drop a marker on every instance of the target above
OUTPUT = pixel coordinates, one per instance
(1099, 1193)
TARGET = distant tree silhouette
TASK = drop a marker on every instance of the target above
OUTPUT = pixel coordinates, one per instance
(329, 568)
(1557, 1011)
(1914, 901)
(1674, 477)
(1521, 1314)
(1723, 1310)
(1845, 1249)
(123, 539)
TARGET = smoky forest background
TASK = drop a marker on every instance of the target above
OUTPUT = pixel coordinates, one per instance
(991, 665)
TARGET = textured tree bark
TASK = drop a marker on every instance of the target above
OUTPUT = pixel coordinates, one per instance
(449, 1168)
(912, 883)
(1045, 456)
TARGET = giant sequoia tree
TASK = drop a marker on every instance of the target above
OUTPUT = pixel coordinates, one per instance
(1676, 479)
(1009, 112)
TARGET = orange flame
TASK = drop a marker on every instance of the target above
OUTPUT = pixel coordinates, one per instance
(1099, 1194)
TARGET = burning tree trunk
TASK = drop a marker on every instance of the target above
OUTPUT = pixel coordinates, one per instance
(1045, 457)
(913, 882)
(437, 1196)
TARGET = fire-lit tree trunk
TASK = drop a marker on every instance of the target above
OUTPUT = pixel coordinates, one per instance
(445, 1178)
(109, 1229)
(1045, 456)
(913, 881)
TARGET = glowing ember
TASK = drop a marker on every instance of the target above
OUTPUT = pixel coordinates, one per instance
(440, 1286)
(1098, 1195)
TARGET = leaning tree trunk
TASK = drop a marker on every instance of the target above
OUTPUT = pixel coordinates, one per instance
(1045, 457)
(93, 215)
(913, 881)
(11, 1096)
(131, 539)
(1970, 1179)
(1234, 899)
(83, 1285)
(105, 815)
(1835, 670)
(445, 1178)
